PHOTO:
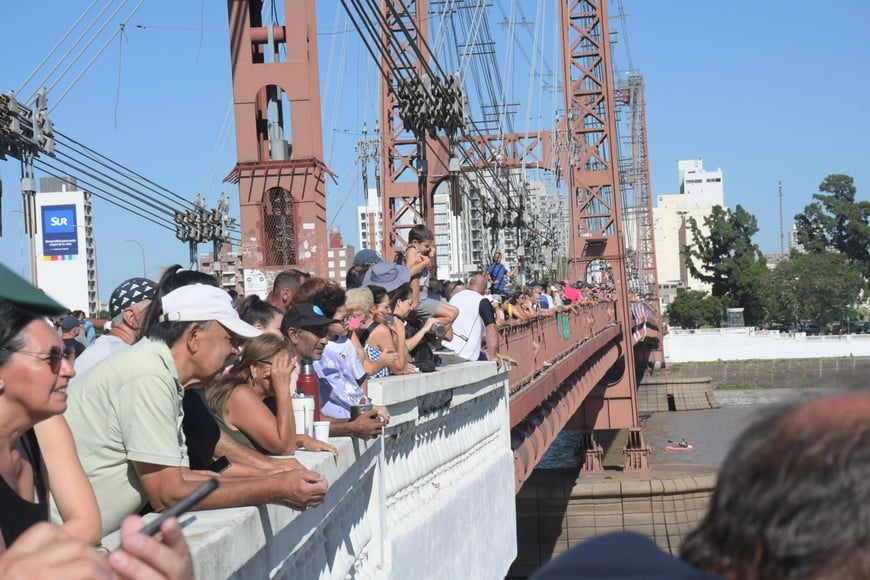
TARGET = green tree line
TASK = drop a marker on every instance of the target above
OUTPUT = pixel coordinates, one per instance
(822, 284)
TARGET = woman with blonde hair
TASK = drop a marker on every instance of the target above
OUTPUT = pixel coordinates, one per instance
(264, 369)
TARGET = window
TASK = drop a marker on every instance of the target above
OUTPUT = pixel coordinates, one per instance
(342, 263)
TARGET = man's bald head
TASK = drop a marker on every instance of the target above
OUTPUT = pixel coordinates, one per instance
(477, 283)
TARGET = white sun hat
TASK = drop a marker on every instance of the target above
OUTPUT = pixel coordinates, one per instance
(201, 303)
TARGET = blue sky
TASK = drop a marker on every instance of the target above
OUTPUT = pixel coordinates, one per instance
(763, 90)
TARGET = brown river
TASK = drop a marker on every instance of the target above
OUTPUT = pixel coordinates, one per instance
(711, 432)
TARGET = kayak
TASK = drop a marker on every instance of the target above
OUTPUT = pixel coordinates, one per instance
(678, 448)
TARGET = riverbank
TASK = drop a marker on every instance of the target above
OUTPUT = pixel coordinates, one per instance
(842, 373)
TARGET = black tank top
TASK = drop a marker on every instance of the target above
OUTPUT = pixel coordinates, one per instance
(17, 514)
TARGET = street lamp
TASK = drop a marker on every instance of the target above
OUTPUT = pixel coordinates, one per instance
(142, 250)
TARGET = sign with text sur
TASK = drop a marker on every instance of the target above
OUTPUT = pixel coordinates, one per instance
(59, 232)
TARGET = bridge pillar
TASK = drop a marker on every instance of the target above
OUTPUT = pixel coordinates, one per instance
(591, 453)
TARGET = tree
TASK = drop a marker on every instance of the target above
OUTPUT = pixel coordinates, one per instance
(836, 221)
(821, 288)
(694, 309)
(727, 259)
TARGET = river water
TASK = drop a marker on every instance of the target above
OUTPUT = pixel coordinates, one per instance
(711, 432)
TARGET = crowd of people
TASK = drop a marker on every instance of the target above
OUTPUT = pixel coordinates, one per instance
(190, 384)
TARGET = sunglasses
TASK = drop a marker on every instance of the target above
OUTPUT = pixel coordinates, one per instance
(53, 357)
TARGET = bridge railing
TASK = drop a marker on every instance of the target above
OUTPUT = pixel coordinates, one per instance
(432, 497)
(540, 342)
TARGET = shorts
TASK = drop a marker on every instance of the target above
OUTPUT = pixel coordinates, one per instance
(428, 307)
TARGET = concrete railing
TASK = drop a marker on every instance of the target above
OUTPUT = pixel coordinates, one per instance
(433, 497)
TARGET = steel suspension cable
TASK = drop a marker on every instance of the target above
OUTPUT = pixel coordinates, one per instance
(56, 46)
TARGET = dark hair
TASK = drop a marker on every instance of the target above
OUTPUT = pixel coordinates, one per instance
(403, 292)
(420, 233)
(255, 310)
(326, 294)
(14, 320)
(172, 279)
(289, 279)
(378, 293)
(792, 499)
(355, 275)
(308, 289)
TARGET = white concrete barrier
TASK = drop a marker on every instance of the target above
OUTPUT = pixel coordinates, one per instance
(431, 498)
(728, 344)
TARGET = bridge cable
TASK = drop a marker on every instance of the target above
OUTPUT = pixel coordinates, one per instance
(56, 46)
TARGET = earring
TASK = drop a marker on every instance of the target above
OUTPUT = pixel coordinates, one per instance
(2, 386)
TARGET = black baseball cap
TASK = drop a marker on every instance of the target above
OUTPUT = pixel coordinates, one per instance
(305, 316)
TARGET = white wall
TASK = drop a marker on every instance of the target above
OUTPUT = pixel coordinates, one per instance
(433, 497)
(746, 344)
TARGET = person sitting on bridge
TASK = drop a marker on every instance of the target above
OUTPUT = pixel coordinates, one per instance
(419, 261)
(126, 415)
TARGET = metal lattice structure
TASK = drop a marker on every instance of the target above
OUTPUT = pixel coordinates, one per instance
(596, 242)
(635, 179)
(412, 164)
(282, 193)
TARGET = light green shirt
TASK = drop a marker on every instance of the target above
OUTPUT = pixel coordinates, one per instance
(127, 408)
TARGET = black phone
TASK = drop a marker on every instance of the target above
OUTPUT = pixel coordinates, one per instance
(182, 506)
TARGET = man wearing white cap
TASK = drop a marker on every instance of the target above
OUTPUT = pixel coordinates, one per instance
(126, 415)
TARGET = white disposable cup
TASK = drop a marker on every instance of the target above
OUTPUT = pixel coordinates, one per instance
(305, 406)
(309, 420)
(321, 431)
(299, 418)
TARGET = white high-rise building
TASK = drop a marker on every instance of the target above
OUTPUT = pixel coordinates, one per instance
(64, 249)
(793, 243)
(699, 191)
(371, 223)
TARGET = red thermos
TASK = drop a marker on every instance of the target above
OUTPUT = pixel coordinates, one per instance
(307, 383)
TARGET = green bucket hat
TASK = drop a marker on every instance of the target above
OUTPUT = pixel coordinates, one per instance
(22, 294)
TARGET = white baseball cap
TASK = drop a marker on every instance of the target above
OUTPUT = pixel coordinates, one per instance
(200, 303)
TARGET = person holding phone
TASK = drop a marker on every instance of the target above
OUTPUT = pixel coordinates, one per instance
(126, 415)
(45, 551)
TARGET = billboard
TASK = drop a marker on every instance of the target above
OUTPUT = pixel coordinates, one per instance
(61, 248)
(59, 232)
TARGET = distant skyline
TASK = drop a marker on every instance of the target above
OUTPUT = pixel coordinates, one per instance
(763, 90)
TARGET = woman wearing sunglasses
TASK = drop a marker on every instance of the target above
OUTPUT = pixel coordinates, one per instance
(37, 452)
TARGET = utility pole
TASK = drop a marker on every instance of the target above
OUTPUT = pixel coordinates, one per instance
(781, 226)
(684, 268)
(24, 134)
(198, 225)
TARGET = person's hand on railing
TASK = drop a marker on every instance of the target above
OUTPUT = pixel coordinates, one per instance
(369, 424)
(301, 489)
